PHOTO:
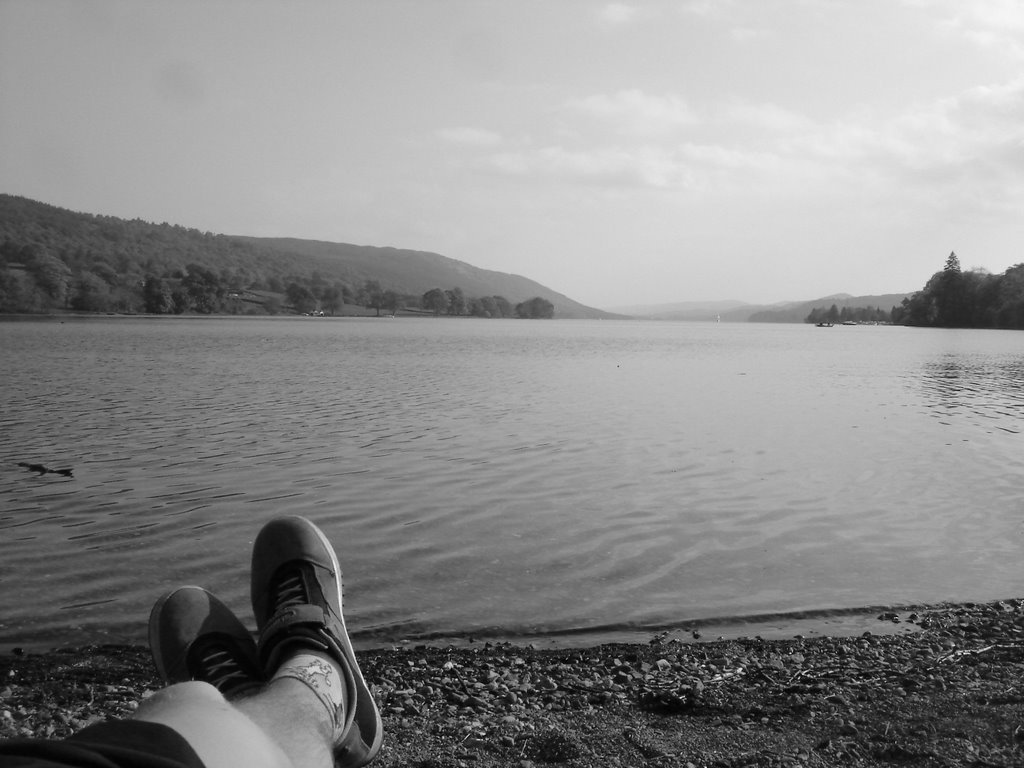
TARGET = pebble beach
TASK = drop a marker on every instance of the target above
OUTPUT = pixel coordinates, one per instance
(949, 693)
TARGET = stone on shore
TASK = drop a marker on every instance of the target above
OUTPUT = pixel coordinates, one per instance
(950, 693)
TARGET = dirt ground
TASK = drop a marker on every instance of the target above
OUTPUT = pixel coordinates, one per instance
(949, 694)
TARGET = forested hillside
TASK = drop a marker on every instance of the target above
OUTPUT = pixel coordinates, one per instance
(856, 308)
(953, 298)
(55, 259)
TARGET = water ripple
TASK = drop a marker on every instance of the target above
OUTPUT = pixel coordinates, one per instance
(516, 478)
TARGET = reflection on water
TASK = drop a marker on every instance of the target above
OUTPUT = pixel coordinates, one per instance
(986, 389)
(507, 477)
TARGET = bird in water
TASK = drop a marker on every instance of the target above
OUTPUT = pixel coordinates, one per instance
(42, 470)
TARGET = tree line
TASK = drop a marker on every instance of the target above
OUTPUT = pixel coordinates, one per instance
(953, 298)
(453, 302)
(834, 314)
(54, 259)
(34, 280)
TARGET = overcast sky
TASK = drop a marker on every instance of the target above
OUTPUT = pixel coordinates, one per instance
(620, 153)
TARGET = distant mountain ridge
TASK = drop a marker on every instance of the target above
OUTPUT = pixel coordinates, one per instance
(112, 254)
(682, 310)
(123, 252)
(416, 272)
(797, 312)
(740, 312)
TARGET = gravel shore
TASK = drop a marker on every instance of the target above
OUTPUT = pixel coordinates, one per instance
(949, 694)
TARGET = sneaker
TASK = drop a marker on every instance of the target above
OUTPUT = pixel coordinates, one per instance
(296, 596)
(194, 636)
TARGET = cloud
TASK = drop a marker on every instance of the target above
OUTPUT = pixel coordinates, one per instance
(999, 107)
(717, 156)
(179, 84)
(617, 13)
(687, 166)
(966, 127)
(477, 137)
(767, 117)
(634, 112)
(954, 154)
(747, 34)
(605, 166)
(706, 8)
(974, 143)
(949, 154)
(991, 24)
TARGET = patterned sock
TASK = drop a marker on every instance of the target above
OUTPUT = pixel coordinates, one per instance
(323, 678)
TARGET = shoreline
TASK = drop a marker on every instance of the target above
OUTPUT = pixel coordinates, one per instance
(951, 692)
(838, 622)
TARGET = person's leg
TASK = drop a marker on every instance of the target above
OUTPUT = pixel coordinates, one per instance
(226, 711)
(219, 733)
(290, 712)
(280, 726)
(296, 595)
(315, 705)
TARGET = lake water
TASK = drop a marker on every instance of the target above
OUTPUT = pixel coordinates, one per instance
(567, 481)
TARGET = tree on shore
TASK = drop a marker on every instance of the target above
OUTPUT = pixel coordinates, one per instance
(848, 314)
(204, 289)
(953, 298)
(90, 293)
(391, 301)
(331, 298)
(535, 308)
(950, 294)
(50, 273)
(371, 295)
(456, 301)
(156, 296)
(19, 292)
(301, 298)
(435, 300)
(489, 306)
(504, 306)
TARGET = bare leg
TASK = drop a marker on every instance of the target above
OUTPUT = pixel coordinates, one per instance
(289, 712)
(289, 723)
(220, 734)
(315, 711)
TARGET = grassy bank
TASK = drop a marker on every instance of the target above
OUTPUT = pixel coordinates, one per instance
(951, 694)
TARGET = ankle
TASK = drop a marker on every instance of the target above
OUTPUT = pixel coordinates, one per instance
(319, 673)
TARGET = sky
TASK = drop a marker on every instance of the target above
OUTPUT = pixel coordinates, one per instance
(621, 153)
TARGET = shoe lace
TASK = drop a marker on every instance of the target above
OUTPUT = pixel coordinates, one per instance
(219, 661)
(222, 670)
(290, 590)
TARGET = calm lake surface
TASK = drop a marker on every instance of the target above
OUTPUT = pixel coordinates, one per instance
(567, 481)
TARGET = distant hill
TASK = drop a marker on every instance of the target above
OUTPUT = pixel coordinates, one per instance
(685, 310)
(48, 253)
(739, 312)
(797, 312)
(416, 272)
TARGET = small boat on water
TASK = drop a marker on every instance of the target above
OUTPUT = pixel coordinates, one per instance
(824, 325)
